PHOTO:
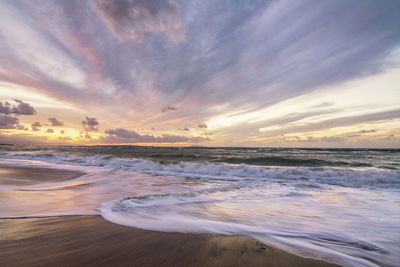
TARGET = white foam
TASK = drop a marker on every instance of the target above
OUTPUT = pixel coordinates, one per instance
(303, 176)
(292, 223)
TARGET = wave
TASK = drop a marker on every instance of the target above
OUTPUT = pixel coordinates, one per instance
(250, 156)
(287, 161)
(300, 176)
(189, 212)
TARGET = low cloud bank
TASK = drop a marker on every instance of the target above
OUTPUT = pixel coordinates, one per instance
(120, 135)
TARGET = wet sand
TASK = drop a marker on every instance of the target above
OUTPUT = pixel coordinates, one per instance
(11, 175)
(92, 241)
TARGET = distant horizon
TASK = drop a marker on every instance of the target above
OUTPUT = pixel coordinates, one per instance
(199, 146)
(316, 74)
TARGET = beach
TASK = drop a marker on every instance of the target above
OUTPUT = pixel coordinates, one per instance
(138, 206)
(92, 241)
(200, 133)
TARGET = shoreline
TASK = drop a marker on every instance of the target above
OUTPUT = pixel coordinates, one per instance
(90, 240)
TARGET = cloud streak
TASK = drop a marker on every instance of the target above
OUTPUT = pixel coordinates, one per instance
(133, 19)
(339, 122)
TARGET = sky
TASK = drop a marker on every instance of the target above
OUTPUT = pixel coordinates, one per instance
(200, 73)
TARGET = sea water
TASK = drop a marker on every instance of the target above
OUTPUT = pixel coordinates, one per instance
(341, 205)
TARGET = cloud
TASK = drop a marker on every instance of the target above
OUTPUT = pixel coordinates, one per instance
(257, 53)
(35, 126)
(295, 116)
(120, 135)
(90, 124)
(126, 57)
(184, 129)
(21, 108)
(55, 122)
(50, 130)
(338, 122)
(324, 104)
(8, 122)
(133, 19)
(202, 125)
(168, 108)
(5, 108)
(326, 139)
(21, 127)
(9, 113)
(123, 133)
(367, 131)
(85, 135)
(272, 52)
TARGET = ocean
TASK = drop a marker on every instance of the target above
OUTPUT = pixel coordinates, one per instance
(336, 204)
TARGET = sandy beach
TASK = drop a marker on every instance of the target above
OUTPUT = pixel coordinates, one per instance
(92, 241)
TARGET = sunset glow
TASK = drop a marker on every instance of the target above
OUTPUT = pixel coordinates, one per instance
(204, 73)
